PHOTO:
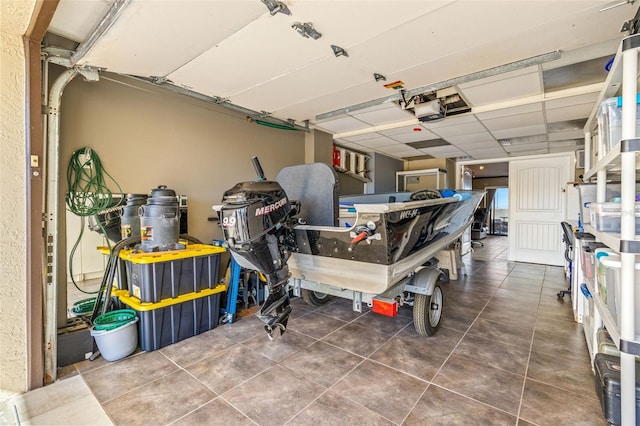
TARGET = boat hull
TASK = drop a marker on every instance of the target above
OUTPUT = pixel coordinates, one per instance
(405, 237)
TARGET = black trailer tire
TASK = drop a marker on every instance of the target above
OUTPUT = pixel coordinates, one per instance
(315, 298)
(427, 312)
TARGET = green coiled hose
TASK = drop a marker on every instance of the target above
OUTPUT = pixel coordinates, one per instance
(88, 194)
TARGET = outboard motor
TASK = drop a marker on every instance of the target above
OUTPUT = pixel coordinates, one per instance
(257, 221)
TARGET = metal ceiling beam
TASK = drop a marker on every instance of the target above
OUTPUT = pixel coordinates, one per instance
(216, 100)
(103, 26)
(512, 66)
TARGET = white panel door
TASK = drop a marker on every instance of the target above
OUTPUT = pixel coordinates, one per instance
(537, 205)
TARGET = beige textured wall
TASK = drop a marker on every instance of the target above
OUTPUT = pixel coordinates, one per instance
(147, 136)
(14, 17)
(318, 147)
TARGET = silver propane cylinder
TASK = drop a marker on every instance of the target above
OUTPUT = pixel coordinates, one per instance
(130, 217)
(160, 221)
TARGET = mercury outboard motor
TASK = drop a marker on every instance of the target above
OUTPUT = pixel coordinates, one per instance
(257, 221)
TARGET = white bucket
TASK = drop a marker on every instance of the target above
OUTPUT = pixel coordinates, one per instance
(117, 343)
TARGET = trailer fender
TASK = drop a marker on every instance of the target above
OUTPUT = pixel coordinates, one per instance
(424, 280)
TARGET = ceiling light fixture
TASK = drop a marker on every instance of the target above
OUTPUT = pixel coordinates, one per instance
(504, 142)
(306, 30)
(275, 6)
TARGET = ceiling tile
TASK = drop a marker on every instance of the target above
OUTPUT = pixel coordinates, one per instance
(588, 98)
(362, 137)
(567, 142)
(444, 151)
(520, 131)
(380, 141)
(480, 145)
(511, 121)
(456, 120)
(569, 134)
(505, 112)
(576, 74)
(567, 125)
(492, 150)
(471, 138)
(555, 149)
(414, 136)
(526, 147)
(569, 112)
(406, 129)
(462, 129)
(432, 143)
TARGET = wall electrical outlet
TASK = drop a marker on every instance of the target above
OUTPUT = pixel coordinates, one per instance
(34, 161)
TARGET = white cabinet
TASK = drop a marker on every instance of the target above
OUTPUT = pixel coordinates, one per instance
(620, 161)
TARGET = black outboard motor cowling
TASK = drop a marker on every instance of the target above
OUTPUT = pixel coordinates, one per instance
(257, 224)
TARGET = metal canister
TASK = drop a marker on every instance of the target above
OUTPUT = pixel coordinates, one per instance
(160, 220)
(130, 218)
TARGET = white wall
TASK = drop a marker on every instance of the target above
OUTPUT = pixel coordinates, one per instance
(14, 18)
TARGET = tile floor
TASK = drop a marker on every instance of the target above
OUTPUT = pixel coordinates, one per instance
(507, 352)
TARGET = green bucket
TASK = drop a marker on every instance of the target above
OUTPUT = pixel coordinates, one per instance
(114, 319)
(84, 306)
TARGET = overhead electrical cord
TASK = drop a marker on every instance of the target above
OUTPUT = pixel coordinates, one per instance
(88, 194)
(274, 125)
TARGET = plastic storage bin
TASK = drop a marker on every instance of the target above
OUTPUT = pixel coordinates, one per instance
(605, 343)
(589, 262)
(607, 381)
(175, 319)
(606, 217)
(610, 121)
(587, 195)
(153, 277)
(608, 277)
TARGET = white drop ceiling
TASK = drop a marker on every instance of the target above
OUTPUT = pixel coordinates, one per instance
(237, 51)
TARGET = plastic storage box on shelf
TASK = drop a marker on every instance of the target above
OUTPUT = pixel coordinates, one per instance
(587, 195)
(610, 121)
(605, 343)
(609, 283)
(606, 217)
(589, 261)
(153, 277)
(175, 319)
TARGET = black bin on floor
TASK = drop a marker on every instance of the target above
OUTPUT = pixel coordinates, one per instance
(607, 378)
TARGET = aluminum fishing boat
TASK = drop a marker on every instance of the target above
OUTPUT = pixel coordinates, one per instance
(380, 249)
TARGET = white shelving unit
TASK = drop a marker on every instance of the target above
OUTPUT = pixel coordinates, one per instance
(620, 161)
(352, 163)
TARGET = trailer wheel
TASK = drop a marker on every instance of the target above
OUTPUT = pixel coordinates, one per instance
(315, 298)
(427, 312)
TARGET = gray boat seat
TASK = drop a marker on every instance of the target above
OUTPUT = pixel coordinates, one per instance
(315, 185)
